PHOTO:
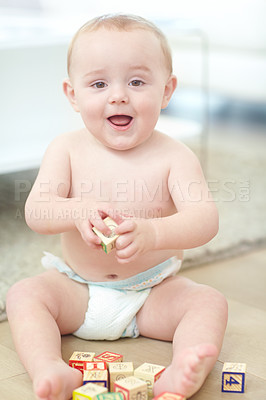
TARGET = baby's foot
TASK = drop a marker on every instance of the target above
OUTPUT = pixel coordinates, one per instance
(56, 381)
(187, 373)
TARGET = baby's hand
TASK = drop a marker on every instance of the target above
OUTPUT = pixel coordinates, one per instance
(136, 238)
(85, 225)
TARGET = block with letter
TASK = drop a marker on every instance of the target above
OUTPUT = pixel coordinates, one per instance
(132, 388)
(108, 242)
(110, 396)
(150, 373)
(88, 391)
(169, 396)
(95, 372)
(119, 370)
(78, 358)
(233, 377)
(109, 357)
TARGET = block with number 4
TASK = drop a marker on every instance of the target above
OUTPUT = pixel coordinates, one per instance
(132, 388)
(233, 377)
(88, 391)
(150, 373)
(169, 396)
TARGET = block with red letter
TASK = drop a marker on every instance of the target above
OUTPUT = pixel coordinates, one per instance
(132, 388)
(95, 372)
(109, 357)
(233, 377)
(150, 373)
(169, 396)
(88, 391)
(78, 358)
(119, 370)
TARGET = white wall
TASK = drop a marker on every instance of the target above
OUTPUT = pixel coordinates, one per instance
(231, 23)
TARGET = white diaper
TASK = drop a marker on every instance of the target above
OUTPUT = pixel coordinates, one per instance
(111, 313)
(113, 305)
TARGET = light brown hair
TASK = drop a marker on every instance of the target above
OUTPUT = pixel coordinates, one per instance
(122, 22)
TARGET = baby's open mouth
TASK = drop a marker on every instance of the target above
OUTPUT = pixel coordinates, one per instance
(120, 120)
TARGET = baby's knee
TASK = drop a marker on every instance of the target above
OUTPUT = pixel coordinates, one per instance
(215, 298)
(21, 292)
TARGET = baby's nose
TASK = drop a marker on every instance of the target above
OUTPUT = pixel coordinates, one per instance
(118, 96)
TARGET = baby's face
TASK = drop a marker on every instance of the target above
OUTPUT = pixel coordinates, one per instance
(119, 80)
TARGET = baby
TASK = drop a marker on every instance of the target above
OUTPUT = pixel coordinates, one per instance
(152, 186)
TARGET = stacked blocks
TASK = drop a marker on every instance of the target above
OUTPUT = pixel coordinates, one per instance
(95, 372)
(233, 377)
(169, 396)
(88, 391)
(132, 388)
(78, 358)
(149, 373)
(108, 242)
(119, 370)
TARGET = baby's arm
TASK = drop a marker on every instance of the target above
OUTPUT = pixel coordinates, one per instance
(50, 209)
(196, 221)
(194, 224)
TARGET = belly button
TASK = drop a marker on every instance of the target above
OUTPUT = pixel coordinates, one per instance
(112, 276)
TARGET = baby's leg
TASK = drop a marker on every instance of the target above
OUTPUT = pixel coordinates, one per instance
(194, 317)
(40, 309)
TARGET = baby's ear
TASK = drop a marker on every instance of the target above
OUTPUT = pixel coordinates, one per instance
(70, 93)
(169, 90)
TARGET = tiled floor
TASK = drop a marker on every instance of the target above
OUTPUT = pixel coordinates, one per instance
(241, 279)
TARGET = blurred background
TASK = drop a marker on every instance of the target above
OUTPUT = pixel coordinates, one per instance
(219, 51)
(218, 109)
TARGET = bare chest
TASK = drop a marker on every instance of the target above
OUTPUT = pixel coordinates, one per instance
(140, 189)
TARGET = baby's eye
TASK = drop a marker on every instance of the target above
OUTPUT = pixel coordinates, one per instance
(136, 82)
(99, 85)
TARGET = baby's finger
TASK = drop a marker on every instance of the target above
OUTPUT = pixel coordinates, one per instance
(123, 241)
(99, 224)
(115, 215)
(88, 235)
(127, 254)
(126, 226)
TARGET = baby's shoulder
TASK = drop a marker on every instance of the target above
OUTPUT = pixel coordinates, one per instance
(173, 146)
(68, 140)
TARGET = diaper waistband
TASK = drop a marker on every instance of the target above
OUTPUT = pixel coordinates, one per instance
(143, 280)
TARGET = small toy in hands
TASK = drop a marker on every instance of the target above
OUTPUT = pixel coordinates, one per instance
(108, 242)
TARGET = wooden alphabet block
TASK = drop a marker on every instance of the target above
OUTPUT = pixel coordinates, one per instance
(78, 358)
(233, 377)
(169, 396)
(95, 372)
(119, 370)
(132, 388)
(150, 373)
(88, 391)
(108, 242)
(95, 365)
(109, 357)
(110, 396)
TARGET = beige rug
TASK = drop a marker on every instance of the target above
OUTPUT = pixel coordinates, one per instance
(237, 181)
